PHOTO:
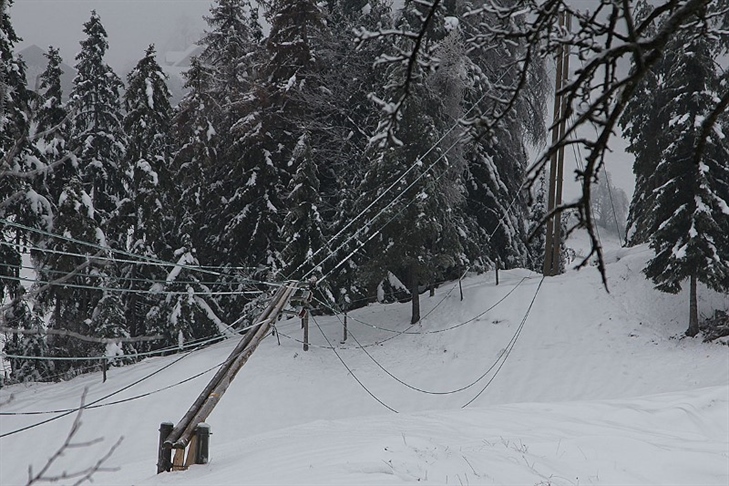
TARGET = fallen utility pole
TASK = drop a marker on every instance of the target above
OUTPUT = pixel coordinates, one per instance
(187, 431)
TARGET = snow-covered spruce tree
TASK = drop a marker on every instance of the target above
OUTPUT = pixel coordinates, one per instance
(76, 275)
(302, 226)
(108, 320)
(609, 206)
(643, 124)
(19, 315)
(231, 47)
(149, 206)
(345, 118)
(536, 230)
(496, 207)
(53, 127)
(691, 209)
(97, 132)
(20, 162)
(269, 128)
(196, 143)
(219, 82)
(184, 313)
(420, 232)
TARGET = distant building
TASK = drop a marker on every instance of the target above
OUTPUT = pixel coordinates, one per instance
(36, 62)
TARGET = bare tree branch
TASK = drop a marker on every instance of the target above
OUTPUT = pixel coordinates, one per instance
(82, 475)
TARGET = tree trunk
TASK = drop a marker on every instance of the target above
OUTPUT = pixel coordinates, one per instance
(415, 296)
(693, 328)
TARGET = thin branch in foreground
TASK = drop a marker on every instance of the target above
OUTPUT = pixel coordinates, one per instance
(81, 475)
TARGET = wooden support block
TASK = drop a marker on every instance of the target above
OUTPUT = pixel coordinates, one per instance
(191, 452)
(178, 463)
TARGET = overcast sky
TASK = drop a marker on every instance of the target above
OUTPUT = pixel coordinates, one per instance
(131, 24)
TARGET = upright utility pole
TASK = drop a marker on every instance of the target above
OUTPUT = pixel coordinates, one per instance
(553, 243)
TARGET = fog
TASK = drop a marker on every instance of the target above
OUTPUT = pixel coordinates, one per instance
(131, 25)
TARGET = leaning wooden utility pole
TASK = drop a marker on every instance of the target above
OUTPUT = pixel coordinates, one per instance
(192, 427)
(553, 242)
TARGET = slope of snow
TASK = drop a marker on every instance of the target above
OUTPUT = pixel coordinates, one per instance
(598, 389)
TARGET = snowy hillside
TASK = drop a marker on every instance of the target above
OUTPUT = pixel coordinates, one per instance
(595, 388)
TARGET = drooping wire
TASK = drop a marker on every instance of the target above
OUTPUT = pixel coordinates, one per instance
(443, 392)
(349, 370)
(510, 346)
(432, 331)
(117, 402)
(120, 278)
(146, 354)
(94, 402)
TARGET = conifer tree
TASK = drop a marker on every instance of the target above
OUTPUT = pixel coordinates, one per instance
(643, 123)
(196, 142)
(52, 123)
(183, 314)
(347, 118)
(302, 227)
(108, 321)
(422, 236)
(609, 204)
(18, 315)
(20, 161)
(497, 161)
(268, 130)
(147, 124)
(691, 237)
(71, 302)
(97, 133)
(150, 205)
(536, 230)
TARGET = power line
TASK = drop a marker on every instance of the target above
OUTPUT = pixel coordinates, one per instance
(119, 277)
(195, 343)
(85, 406)
(412, 200)
(434, 331)
(191, 344)
(509, 346)
(123, 290)
(147, 259)
(379, 213)
(382, 194)
(349, 370)
(117, 402)
(612, 204)
(432, 392)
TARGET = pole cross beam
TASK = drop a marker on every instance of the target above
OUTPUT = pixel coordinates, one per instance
(184, 431)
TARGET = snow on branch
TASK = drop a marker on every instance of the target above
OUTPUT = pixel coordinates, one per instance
(598, 91)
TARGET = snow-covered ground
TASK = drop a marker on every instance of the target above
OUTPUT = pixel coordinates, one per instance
(597, 388)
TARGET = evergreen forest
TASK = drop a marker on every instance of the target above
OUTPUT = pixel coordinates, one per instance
(374, 153)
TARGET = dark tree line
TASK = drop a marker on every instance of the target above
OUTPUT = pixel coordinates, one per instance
(270, 168)
(350, 143)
